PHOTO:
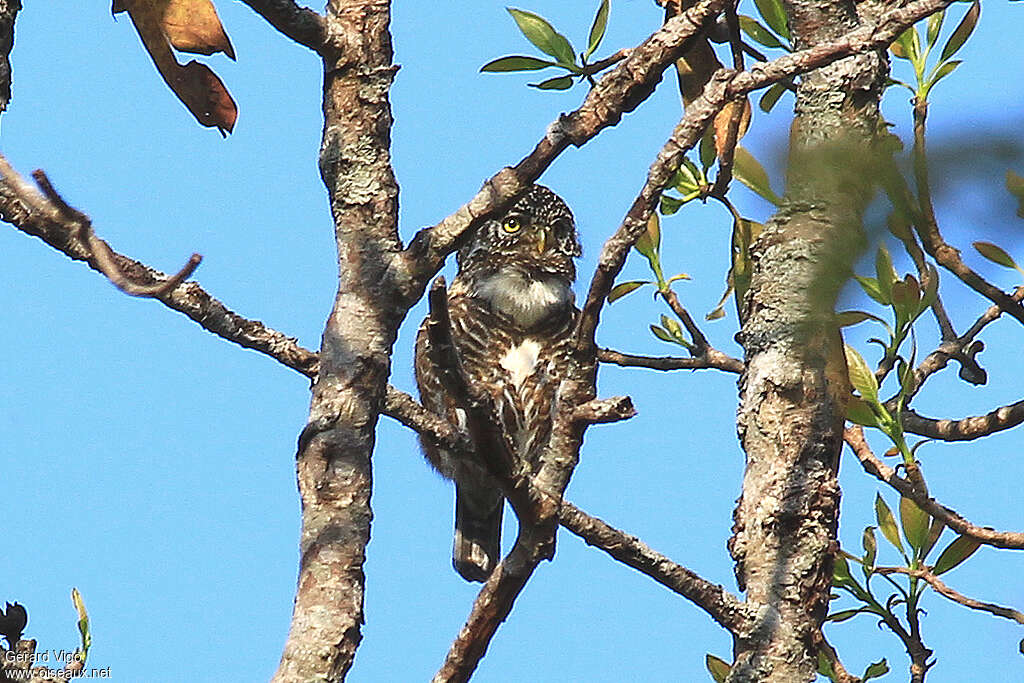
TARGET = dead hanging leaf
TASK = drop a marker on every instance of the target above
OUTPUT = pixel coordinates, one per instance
(189, 26)
(722, 120)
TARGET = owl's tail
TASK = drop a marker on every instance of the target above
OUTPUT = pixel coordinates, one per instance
(477, 546)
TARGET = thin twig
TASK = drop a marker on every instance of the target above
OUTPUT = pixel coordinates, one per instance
(854, 437)
(713, 359)
(947, 592)
(965, 429)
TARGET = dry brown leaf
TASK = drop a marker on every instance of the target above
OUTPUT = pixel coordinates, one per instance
(190, 26)
(722, 124)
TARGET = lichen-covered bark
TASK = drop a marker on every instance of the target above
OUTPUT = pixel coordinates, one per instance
(792, 394)
(333, 464)
(8, 12)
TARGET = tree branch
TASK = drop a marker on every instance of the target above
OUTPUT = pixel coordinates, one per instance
(967, 428)
(32, 213)
(301, 24)
(713, 359)
(720, 605)
(1011, 540)
(8, 13)
(947, 592)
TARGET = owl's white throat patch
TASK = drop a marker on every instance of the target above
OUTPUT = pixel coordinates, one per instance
(527, 301)
(521, 361)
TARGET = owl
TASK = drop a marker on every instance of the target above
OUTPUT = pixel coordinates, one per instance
(512, 314)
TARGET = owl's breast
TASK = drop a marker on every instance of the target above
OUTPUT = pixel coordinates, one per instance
(528, 301)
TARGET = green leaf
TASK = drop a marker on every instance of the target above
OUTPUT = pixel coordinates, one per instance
(673, 327)
(825, 667)
(1015, 184)
(650, 241)
(663, 335)
(516, 63)
(848, 318)
(707, 150)
(870, 547)
(623, 288)
(955, 553)
(748, 171)
(841, 571)
(845, 614)
(685, 178)
(774, 15)
(995, 254)
(915, 522)
(903, 47)
(557, 83)
(757, 32)
(668, 204)
(933, 536)
(861, 376)
(680, 276)
(944, 71)
(887, 522)
(962, 32)
(859, 412)
(83, 622)
(875, 670)
(542, 34)
(718, 668)
(885, 272)
(872, 289)
(935, 26)
(597, 29)
(770, 97)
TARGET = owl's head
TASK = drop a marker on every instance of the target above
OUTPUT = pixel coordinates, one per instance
(537, 234)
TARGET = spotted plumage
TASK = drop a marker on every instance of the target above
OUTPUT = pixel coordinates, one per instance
(512, 312)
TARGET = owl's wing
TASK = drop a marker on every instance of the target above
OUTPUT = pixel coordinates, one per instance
(478, 501)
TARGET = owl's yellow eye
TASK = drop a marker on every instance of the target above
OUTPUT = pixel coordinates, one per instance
(511, 224)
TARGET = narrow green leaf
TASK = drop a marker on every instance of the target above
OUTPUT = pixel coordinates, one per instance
(825, 667)
(673, 327)
(859, 412)
(680, 276)
(774, 15)
(516, 63)
(651, 238)
(887, 522)
(542, 34)
(623, 288)
(749, 171)
(872, 289)
(597, 28)
(848, 318)
(663, 335)
(935, 26)
(933, 536)
(903, 47)
(861, 376)
(845, 614)
(955, 553)
(875, 670)
(83, 622)
(771, 97)
(1015, 184)
(757, 32)
(915, 522)
(995, 254)
(963, 31)
(885, 271)
(557, 83)
(870, 547)
(841, 571)
(718, 668)
(944, 71)
(707, 148)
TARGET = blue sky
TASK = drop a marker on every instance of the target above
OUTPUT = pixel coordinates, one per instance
(151, 464)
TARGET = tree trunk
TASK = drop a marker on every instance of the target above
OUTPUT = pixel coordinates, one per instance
(333, 464)
(793, 392)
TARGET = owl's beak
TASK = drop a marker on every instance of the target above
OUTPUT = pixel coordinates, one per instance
(542, 239)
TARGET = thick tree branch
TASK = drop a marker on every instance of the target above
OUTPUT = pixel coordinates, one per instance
(947, 592)
(967, 428)
(301, 24)
(720, 605)
(713, 359)
(854, 437)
